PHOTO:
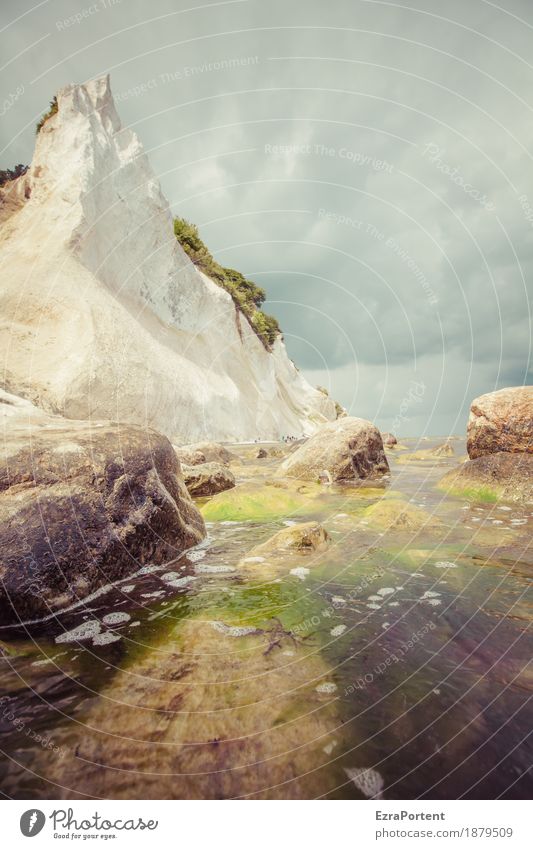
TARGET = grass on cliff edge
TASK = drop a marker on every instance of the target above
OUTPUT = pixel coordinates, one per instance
(246, 295)
(51, 111)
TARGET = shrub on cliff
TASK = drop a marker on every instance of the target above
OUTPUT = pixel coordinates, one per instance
(12, 173)
(247, 295)
(51, 111)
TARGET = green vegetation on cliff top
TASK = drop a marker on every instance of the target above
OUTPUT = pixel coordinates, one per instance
(246, 295)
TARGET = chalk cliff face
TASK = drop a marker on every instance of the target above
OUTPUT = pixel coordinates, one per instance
(102, 315)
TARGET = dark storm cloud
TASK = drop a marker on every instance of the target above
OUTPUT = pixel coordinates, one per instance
(370, 165)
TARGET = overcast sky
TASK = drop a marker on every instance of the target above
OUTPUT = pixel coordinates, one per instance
(369, 163)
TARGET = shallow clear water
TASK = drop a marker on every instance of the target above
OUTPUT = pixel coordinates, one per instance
(407, 653)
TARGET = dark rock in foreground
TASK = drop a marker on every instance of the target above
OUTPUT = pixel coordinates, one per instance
(348, 449)
(488, 478)
(82, 504)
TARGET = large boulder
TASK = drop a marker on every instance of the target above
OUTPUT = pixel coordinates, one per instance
(501, 421)
(207, 479)
(204, 452)
(505, 475)
(82, 504)
(348, 449)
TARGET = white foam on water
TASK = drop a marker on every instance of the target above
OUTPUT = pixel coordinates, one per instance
(81, 632)
(326, 687)
(338, 599)
(386, 591)
(115, 618)
(430, 594)
(232, 630)
(128, 588)
(170, 576)
(338, 630)
(254, 560)
(329, 748)
(374, 598)
(445, 564)
(135, 624)
(105, 638)
(394, 603)
(373, 606)
(208, 570)
(300, 572)
(196, 555)
(155, 594)
(433, 601)
(368, 781)
(181, 582)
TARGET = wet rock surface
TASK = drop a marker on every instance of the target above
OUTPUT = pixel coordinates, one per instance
(81, 504)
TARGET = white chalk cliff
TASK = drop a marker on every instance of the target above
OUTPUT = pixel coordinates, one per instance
(102, 314)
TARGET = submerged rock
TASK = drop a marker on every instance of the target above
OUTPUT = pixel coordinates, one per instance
(395, 514)
(501, 421)
(303, 539)
(82, 504)
(207, 479)
(504, 475)
(349, 449)
(232, 707)
(444, 450)
(440, 451)
(250, 502)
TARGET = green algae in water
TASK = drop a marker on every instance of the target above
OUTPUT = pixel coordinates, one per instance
(484, 494)
(250, 503)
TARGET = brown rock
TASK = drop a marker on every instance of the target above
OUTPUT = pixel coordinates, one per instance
(261, 454)
(302, 538)
(444, 450)
(504, 475)
(207, 479)
(82, 504)
(204, 452)
(501, 421)
(349, 449)
(389, 439)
